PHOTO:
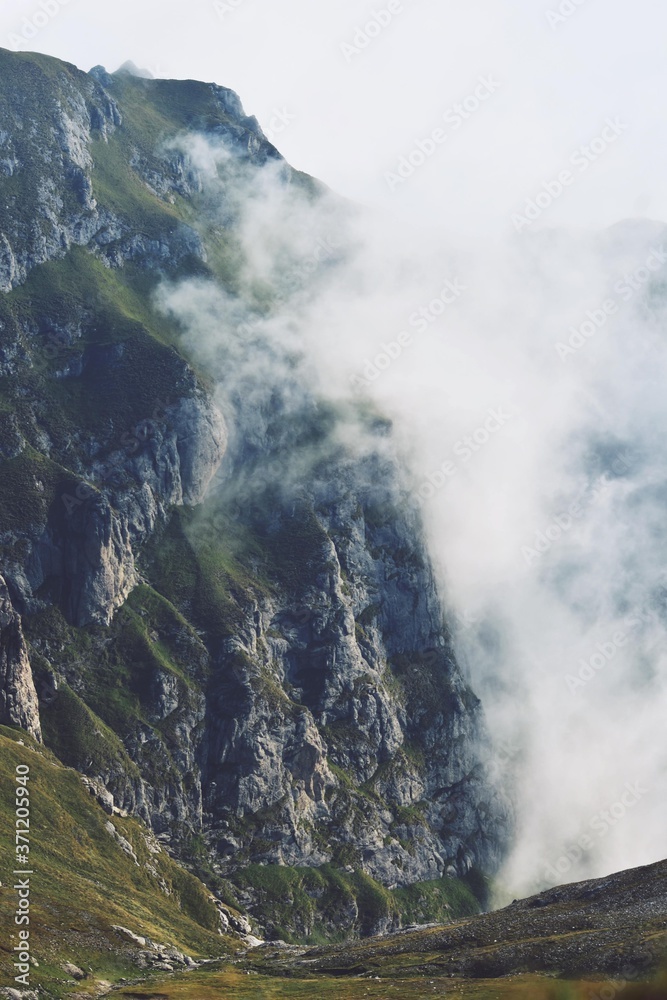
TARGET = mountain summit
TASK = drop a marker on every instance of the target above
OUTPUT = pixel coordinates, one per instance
(216, 602)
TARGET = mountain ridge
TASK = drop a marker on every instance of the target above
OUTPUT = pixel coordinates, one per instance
(230, 613)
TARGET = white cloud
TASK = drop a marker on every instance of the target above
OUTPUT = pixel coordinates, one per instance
(527, 625)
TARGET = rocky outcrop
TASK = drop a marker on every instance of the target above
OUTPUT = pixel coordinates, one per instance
(339, 724)
(53, 168)
(104, 529)
(87, 545)
(240, 613)
(97, 563)
(18, 698)
(55, 207)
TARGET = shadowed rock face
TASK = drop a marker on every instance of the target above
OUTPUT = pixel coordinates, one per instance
(18, 698)
(239, 613)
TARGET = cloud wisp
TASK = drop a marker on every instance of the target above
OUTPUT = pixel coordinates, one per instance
(525, 381)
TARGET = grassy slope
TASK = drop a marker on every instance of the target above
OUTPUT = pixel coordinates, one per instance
(83, 882)
(145, 373)
(316, 899)
(609, 925)
(233, 984)
(618, 941)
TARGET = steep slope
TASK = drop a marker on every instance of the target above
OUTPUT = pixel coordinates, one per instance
(18, 698)
(96, 880)
(231, 616)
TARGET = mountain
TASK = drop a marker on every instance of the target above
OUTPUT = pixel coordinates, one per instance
(216, 600)
(612, 928)
(603, 938)
(106, 898)
(112, 908)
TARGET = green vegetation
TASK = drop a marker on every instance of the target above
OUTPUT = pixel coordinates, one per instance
(29, 487)
(119, 188)
(84, 882)
(293, 544)
(330, 904)
(199, 563)
(424, 681)
(439, 901)
(154, 112)
(117, 668)
(82, 310)
(82, 740)
(112, 678)
(369, 615)
(236, 984)
(36, 82)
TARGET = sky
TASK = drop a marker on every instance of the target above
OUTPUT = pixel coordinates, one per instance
(504, 304)
(348, 88)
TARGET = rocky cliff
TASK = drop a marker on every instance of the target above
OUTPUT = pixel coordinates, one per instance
(230, 611)
(18, 698)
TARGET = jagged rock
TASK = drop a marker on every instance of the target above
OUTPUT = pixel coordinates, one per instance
(18, 697)
(413, 729)
(102, 795)
(73, 970)
(168, 953)
(252, 942)
(129, 935)
(98, 562)
(93, 549)
(239, 923)
(124, 844)
(65, 213)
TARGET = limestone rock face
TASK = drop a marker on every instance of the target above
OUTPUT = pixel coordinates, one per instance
(57, 208)
(338, 718)
(232, 613)
(18, 698)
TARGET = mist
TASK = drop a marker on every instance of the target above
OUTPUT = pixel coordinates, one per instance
(525, 381)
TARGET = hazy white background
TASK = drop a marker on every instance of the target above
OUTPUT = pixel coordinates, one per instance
(353, 119)
(587, 429)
